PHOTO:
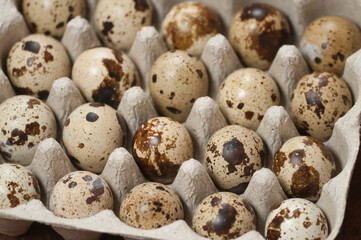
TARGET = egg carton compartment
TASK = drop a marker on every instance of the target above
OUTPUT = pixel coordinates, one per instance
(192, 182)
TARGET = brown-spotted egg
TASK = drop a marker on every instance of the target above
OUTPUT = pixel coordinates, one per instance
(223, 215)
(302, 166)
(17, 185)
(232, 155)
(103, 75)
(160, 146)
(151, 205)
(35, 62)
(296, 219)
(176, 80)
(80, 194)
(317, 102)
(257, 32)
(25, 121)
(188, 26)
(245, 96)
(91, 133)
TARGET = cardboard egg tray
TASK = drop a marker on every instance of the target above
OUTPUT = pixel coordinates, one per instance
(192, 183)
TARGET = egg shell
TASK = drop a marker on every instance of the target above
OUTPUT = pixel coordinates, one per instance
(160, 146)
(35, 62)
(117, 22)
(91, 133)
(80, 194)
(51, 16)
(327, 43)
(25, 121)
(188, 26)
(176, 80)
(223, 215)
(151, 205)
(103, 75)
(257, 32)
(317, 102)
(17, 185)
(302, 166)
(232, 155)
(245, 96)
(296, 219)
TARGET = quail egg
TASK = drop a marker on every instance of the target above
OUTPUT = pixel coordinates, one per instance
(188, 26)
(51, 16)
(223, 215)
(80, 194)
(151, 205)
(302, 166)
(160, 146)
(327, 43)
(91, 133)
(317, 102)
(35, 62)
(246, 95)
(117, 22)
(296, 219)
(257, 32)
(176, 80)
(17, 185)
(232, 155)
(103, 75)
(25, 121)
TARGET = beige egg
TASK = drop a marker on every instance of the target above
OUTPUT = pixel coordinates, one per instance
(176, 80)
(151, 205)
(188, 26)
(317, 102)
(25, 121)
(117, 22)
(223, 215)
(296, 219)
(232, 155)
(257, 32)
(35, 62)
(302, 166)
(91, 133)
(80, 194)
(160, 146)
(327, 43)
(246, 95)
(103, 75)
(17, 185)
(51, 16)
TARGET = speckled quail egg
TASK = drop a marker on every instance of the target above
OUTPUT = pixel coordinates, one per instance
(151, 205)
(302, 166)
(176, 80)
(257, 32)
(35, 62)
(188, 26)
(327, 43)
(232, 155)
(223, 215)
(80, 194)
(51, 16)
(91, 133)
(317, 102)
(296, 219)
(25, 121)
(103, 75)
(117, 22)
(160, 146)
(246, 95)
(17, 185)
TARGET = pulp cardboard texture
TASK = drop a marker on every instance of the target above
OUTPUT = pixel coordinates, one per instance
(192, 182)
